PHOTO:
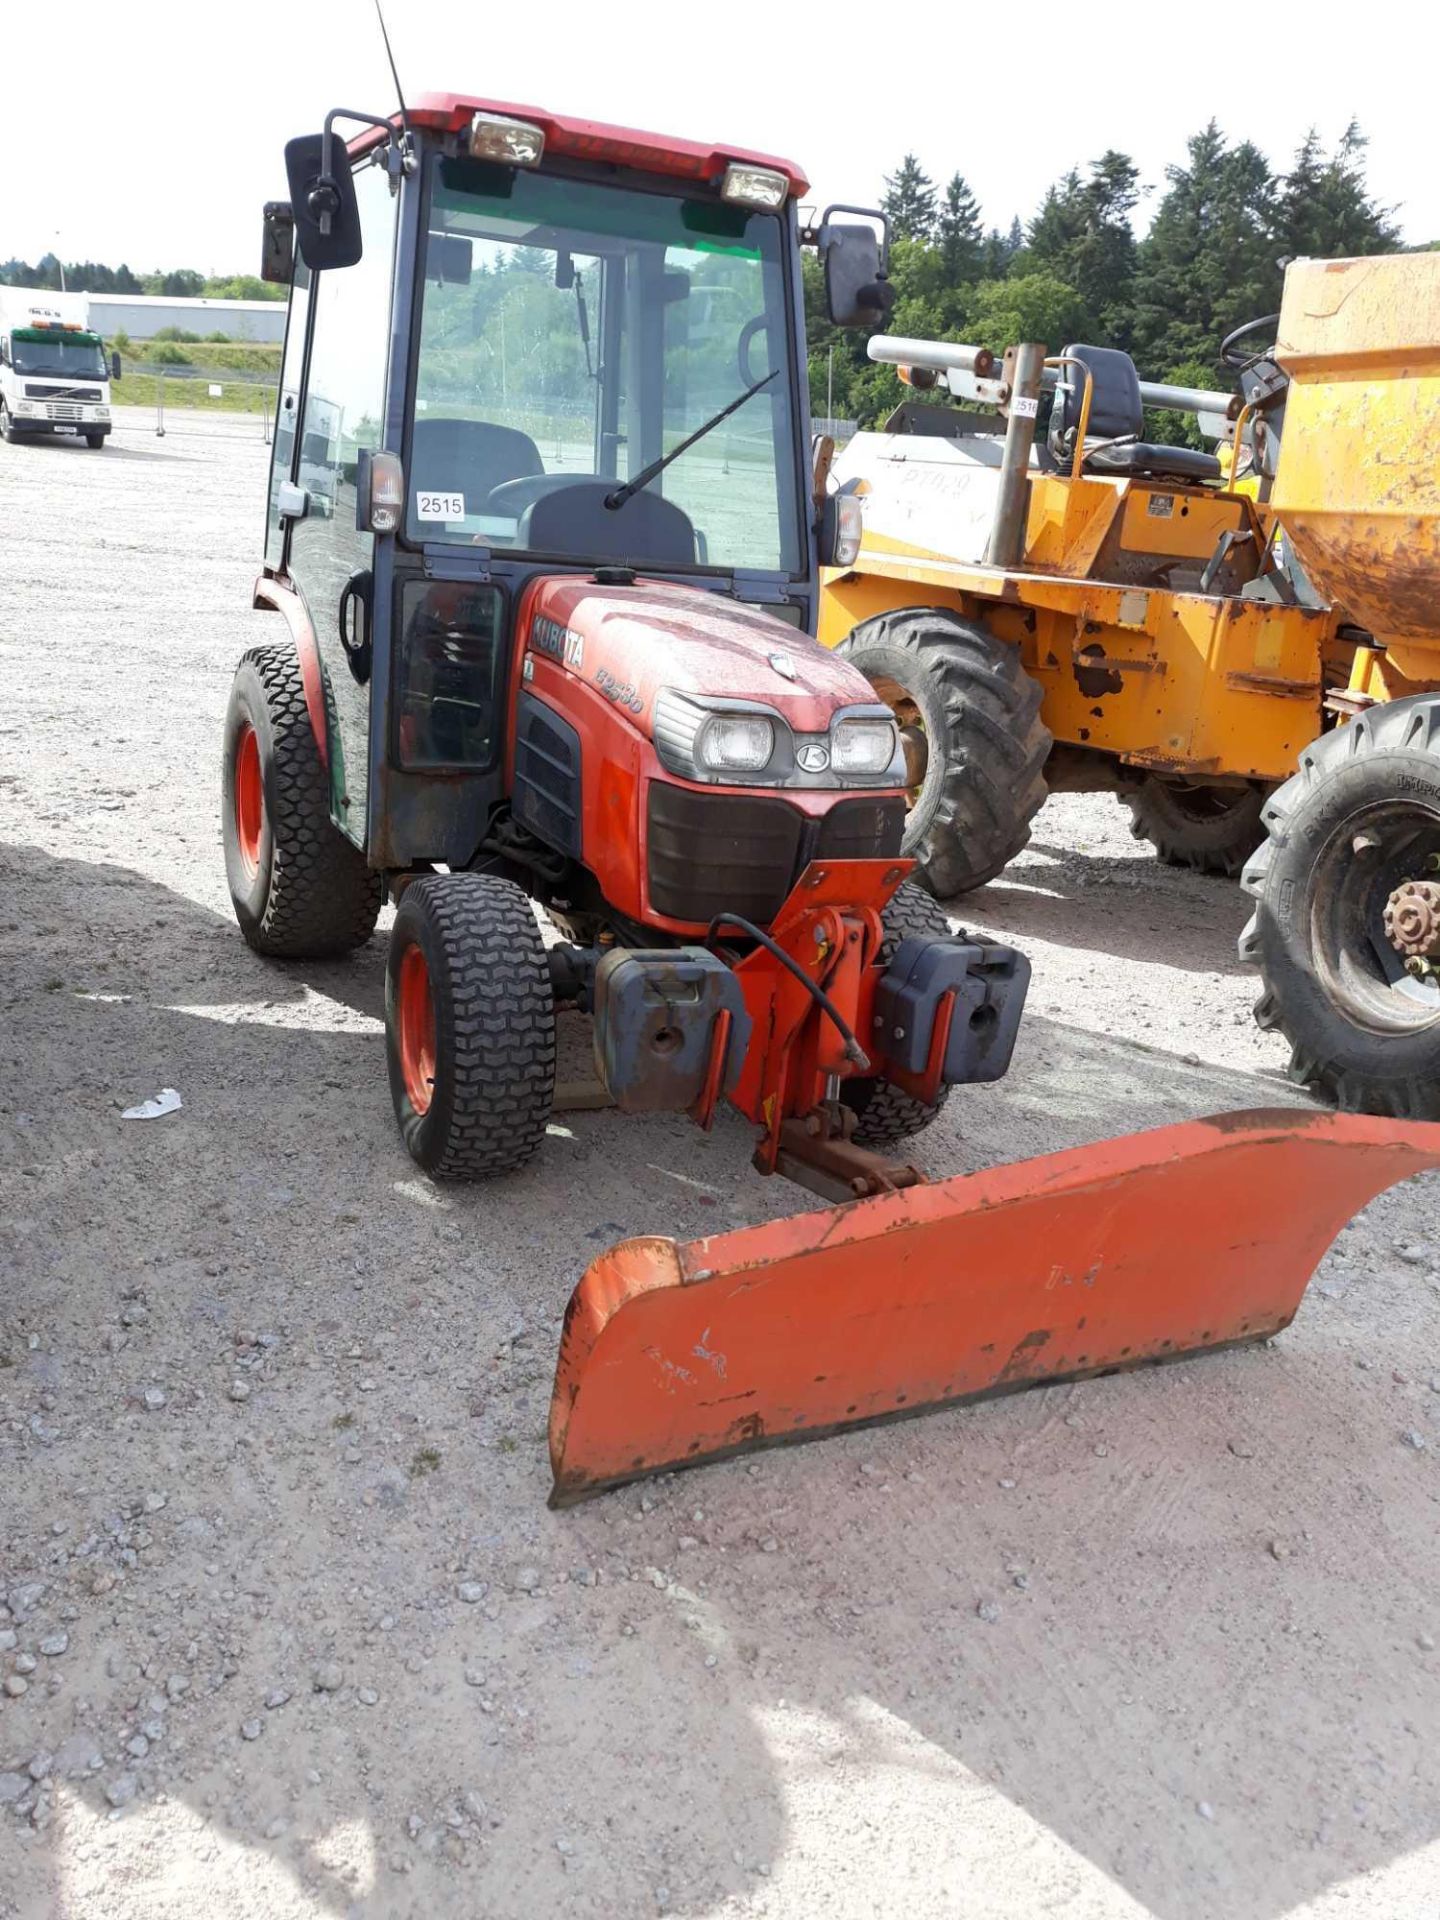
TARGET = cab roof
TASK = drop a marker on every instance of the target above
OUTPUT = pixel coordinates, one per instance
(595, 140)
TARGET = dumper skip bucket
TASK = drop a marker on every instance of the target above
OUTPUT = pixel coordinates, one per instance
(1135, 1251)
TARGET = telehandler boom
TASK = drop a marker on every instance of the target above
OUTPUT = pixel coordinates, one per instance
(549, 643)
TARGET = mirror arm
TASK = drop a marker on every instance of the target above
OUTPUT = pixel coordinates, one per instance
(324, 197)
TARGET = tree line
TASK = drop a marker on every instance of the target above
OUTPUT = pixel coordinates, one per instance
(1212, 258)
(180, 283)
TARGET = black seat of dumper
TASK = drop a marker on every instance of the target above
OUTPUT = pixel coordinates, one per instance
(1116, 416)
(469, 457)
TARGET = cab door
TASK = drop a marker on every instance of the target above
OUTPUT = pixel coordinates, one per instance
(342, 411)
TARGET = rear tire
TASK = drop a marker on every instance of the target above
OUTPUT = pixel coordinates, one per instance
(1360, 819)
(885, 1113)
(1196, 824)
(980, 712)
(300, 890)
(469, 1026)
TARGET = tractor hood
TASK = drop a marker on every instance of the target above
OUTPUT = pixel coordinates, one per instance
(632, 641)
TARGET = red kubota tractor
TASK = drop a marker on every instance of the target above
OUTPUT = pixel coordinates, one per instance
(544, 531)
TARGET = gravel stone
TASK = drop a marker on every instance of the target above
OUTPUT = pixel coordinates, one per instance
(54, 1644)
(472, 1592)
(239, 1389)
(527, 1579)
(251, 1729)
(1412, 1437)
(276, 1697)
(988, 1611)
(12, 1785)
(122, 1789)
(329, 1677)
(367, 1696)
(154, 1398)
(15, 1686)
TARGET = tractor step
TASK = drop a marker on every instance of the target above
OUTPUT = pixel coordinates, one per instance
(1135, 1251)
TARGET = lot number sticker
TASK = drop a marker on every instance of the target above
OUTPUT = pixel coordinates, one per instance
(1023, 407)
(439, 506)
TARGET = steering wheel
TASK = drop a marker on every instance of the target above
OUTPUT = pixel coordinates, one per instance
(512, 497)
(760, 324)
(1238, 361)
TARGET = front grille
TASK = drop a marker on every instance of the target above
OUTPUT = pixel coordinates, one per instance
(712, 853)
(33, 392)
(862, 830)
(55, 412)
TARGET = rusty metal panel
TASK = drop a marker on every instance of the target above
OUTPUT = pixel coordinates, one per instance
(1131, 1252)
(1358, 484)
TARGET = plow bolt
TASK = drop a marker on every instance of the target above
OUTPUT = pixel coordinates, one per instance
(1365, 843)
(1432, 863)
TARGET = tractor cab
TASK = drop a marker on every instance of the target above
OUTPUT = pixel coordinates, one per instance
(523, 345)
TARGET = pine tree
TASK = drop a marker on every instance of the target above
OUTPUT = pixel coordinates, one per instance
(1209, 261)
(909, 201)
(959, 232)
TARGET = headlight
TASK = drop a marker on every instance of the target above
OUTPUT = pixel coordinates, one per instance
(863, 746)
(736, 743)
(712, 739)
(25, 406)
(849, 530)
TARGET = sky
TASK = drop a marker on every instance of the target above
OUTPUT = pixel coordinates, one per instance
(164, 146)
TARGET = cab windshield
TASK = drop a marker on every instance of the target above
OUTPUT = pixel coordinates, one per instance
(66, 356)
(573, 334)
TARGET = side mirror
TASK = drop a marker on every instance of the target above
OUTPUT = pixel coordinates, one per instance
(114, 366)
(277, 243)
(858, 292)
(323, 204)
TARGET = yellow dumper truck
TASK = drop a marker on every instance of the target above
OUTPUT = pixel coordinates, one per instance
(1064, 604)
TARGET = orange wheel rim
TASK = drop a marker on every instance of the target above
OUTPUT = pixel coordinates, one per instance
(249, 800)
(415, 1024)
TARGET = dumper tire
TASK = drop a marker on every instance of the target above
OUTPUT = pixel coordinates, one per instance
(972, 813)
(8, 432)
(95, 441)
(300, 890)
(1196, 824)
(466, 954)
(1361, 817)
(885, 1113)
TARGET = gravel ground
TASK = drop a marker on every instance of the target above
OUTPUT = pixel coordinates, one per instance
(288, 1629)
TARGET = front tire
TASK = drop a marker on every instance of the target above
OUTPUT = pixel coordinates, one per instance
(7, 431)
(469, 1026)
(1195, 824)
(95, 440)
(885, 1113)
(300, 890)
(979, 713)
(1353, 831)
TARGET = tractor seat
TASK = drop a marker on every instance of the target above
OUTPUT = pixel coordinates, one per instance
(470, 457)
(648, 530)
(1117, 419)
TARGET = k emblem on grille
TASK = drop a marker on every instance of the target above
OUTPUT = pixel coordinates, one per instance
(812, 757)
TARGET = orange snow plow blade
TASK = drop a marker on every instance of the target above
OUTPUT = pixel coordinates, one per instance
(1134, 1251)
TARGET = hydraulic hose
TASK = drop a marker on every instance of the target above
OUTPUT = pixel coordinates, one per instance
(854, 1052)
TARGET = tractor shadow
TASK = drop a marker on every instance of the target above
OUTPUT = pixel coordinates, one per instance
(768, 1675)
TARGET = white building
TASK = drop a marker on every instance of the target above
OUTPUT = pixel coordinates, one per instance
(143, 315)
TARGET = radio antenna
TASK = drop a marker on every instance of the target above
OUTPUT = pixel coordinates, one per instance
(394, 75)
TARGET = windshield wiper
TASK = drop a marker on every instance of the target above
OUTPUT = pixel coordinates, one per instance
(647, 474)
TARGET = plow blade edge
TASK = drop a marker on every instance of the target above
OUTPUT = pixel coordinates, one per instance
(1134, 1251)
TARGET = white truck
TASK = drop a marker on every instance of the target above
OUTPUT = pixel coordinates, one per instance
(54, 377)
